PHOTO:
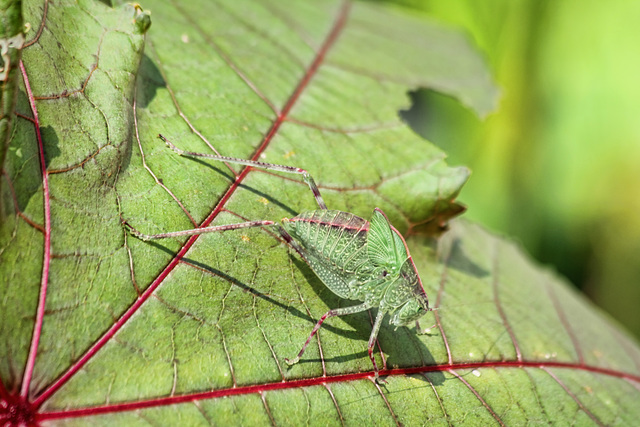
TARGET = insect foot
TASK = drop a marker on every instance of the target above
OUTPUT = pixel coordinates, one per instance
(379, 380)
(291, 362)
(135, 232)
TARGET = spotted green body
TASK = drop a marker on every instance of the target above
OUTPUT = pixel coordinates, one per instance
(361, 260)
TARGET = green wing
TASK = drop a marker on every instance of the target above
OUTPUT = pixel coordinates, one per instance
(385, 246)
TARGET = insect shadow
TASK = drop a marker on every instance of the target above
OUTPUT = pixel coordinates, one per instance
(245, 287)
(359, 325)
(14, 168)
(151, 75)
(414, 353)
(459, 260)
(309, 276)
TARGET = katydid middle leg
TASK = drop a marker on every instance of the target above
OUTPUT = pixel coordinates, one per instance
(331, 313)
(197, 231)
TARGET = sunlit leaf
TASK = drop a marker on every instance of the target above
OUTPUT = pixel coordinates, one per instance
(195, 330)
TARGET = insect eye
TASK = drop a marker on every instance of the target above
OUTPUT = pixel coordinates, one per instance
(385, 273)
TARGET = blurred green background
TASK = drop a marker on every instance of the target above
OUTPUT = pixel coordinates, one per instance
(557, 165)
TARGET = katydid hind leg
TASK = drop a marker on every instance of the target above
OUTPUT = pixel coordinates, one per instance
(331, 313)
(219, 228)
(292, 242)
(306, 177)
(196, 231)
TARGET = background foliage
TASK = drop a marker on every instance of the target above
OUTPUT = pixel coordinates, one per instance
(557, 165)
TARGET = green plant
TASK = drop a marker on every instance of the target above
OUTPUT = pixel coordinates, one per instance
(193, 331)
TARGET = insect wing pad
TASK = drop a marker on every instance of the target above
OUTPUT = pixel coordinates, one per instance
(385, 245)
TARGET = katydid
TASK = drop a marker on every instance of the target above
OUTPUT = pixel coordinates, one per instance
(356, 259)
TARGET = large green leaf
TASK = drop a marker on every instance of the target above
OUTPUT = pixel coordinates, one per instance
(195, 330)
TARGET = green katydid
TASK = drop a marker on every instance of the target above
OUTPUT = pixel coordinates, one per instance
(356, 259)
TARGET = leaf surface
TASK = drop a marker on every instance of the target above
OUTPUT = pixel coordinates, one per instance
(137, 332)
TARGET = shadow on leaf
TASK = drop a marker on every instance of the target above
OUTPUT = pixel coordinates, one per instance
(149, 81)
(458, 260)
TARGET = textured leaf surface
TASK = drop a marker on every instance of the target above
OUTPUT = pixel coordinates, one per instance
(136, 332)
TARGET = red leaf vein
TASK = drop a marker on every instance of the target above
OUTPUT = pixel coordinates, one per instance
(267, 410)
(335, 402)
(308, 382)
(475, 392)
(37, 327)
(496, 299)
(386, 401)
(565, 322)
(225, 57)
(435, 391)
(573, 396)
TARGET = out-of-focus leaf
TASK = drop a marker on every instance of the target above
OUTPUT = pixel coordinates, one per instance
(556, 164)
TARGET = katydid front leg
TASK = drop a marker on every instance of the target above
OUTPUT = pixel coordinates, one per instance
(372, 342)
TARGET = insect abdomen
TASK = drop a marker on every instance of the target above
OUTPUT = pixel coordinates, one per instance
(335, 242)
(335, 235)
